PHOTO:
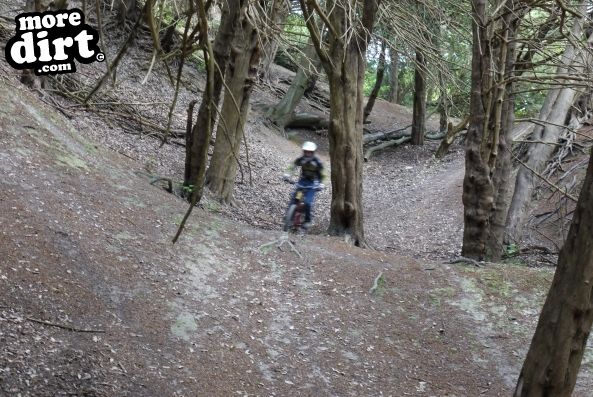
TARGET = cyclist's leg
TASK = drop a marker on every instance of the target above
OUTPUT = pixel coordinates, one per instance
(309, 199)
(292, 197)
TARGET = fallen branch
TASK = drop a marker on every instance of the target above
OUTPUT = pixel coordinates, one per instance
(384, 145)
(115, 62)
(540, 248)
(452, 133)
(63, 326)
(125, 114)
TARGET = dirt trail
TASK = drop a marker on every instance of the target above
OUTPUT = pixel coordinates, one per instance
(85, 243)
(423, 216)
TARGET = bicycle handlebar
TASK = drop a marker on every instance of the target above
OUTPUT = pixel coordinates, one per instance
(299, 186)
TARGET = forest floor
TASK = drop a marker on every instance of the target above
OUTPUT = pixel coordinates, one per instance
(95, 300)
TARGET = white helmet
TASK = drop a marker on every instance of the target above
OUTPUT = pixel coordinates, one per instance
(309, 146)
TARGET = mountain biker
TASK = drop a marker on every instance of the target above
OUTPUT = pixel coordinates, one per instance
(311, 178)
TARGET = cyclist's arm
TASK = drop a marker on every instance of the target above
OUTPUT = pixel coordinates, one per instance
(322, 173)
(292, 167)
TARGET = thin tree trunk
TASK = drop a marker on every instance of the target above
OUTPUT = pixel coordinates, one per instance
(206, 118)
(378, 83)
(279, 10)
(501, 173)
(444, 99)
(198, 151)
(393, 77)
(444, 103)
(553, 113)
(419, 111)
(240, 80)
(554, 357)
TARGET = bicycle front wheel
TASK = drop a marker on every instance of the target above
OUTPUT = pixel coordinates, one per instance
(289, 217)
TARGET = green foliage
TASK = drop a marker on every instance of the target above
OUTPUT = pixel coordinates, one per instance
(370, 77)
(196, 58)
(296, 31)
(213, 206)
(438, 294)
(406, 84)
(495, 282)
(531, 96)
(511, 250)
(295, 38)
(511, 255)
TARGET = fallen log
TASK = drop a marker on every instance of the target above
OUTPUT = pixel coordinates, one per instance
(309, 121)
(396, 142)
(387, 135)
(397, 134)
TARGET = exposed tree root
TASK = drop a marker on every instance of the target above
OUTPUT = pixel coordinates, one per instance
(63, 326)
(378, 279)
(280, 242)
(462, 259)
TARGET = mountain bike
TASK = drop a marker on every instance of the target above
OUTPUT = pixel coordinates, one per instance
(295, 214)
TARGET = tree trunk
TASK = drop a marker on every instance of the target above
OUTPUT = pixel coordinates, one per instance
(345, 143)
(343, 57)
(127, 10)
(444, 103)
(502, 168)
(478, 194)
(240, 80)
(278, 10)
(282, 113)
(378, 82)
(28, 76)
(554, 358)
(393, 77)
(554, 113)
(444, 99)
(205, 121)
(419, 111)
(487, 159)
